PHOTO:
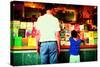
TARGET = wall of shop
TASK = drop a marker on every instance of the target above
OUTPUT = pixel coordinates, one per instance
(30, 57)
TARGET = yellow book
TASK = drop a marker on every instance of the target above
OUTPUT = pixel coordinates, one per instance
(91, 34)
(32, 41)
(62, 43)
(23, 25)
(67, 43)
(29, 25)
(81, 27)
(16, 24)
(91, 41)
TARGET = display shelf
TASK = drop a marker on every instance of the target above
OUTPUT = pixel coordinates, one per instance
(23, 48)
(82, 46)
(62, 47)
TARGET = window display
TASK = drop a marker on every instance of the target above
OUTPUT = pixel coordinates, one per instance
(26, 32)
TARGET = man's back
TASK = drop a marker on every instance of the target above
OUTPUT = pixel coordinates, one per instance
(47, 25)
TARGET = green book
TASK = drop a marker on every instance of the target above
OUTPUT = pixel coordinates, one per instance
(18, 41)
(95, 41)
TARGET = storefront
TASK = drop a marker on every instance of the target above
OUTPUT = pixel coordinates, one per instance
(71, 17)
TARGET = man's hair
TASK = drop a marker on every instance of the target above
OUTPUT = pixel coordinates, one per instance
(49, 6)
(74, 33)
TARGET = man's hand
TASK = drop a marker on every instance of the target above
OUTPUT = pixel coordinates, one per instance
(58, 41)
(37, 40)
(38, 49)
(58, 49)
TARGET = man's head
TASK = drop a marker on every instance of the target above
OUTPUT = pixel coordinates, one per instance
(50, 8)
(74, 34)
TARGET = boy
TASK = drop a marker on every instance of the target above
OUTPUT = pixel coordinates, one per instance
(75, 42)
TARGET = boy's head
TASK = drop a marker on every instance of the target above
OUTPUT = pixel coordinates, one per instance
(74, 34)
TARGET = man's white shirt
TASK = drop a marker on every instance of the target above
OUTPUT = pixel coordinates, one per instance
(48, 25)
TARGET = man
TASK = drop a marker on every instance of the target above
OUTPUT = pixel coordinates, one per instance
(48, 35)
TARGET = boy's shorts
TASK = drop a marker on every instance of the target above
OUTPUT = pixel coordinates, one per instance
(74, 58)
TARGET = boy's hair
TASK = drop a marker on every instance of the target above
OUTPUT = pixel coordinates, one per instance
(74, 33)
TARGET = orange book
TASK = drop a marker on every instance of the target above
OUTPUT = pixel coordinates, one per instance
(24, 41)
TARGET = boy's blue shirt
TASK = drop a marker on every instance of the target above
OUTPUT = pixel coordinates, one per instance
(74, 46)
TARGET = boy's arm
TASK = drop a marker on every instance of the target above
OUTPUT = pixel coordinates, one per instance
(80, 39)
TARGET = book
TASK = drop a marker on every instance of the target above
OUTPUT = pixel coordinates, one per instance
(29, 25)
(21, 32)
(32, 42)
(25, 41)
(23, 25)
(18, 41)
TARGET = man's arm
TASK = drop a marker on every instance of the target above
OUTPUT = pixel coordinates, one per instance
(37, 40)
(37, 26)
(58, 41)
